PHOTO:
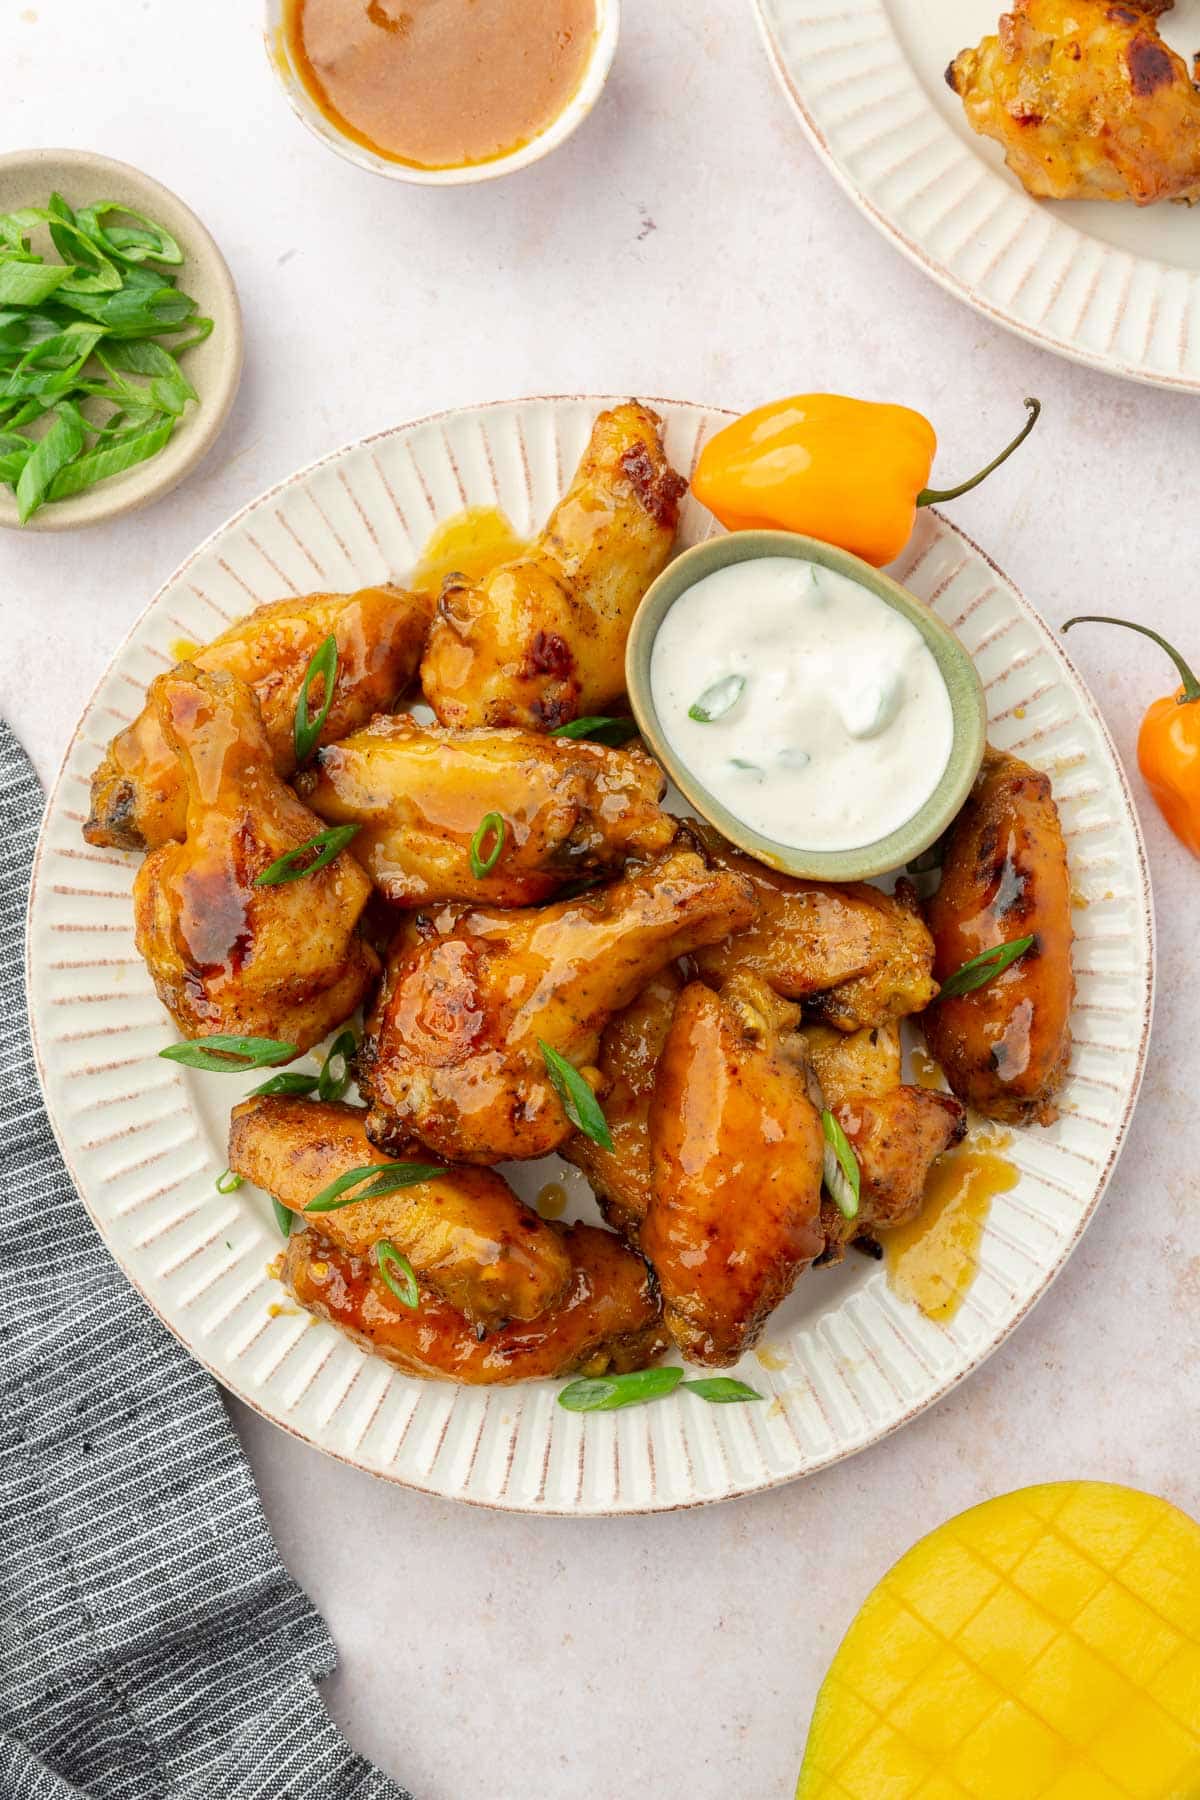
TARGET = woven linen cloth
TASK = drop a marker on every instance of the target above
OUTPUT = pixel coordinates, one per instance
(152, 1645)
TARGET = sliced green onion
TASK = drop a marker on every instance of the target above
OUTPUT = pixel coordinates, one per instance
(579, 1103)
(605, 1393)
(333, 1081)
(29, 283)
(293, 865)
(237, 1055)
(283, 1216)
(51, 454)
(843, 1178)
(601, 730)
(307, 730)
(748, 768)
(387, 1179)
(287, 1083)
(397, 1272)
(491, 825)
(108, 459)
(721, 1390)
(718, 699)
(228, 1183)
(984, 967)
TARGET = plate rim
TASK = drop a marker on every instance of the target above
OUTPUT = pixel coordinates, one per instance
(739, 1492)
(955, 285)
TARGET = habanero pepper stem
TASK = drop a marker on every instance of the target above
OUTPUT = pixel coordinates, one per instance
(848, 472)
(1169, 739)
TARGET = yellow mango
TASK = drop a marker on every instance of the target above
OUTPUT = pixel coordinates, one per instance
(1043, 1646)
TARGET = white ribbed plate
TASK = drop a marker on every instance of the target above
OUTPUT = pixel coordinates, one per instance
(145, 1139)
(1115, 286)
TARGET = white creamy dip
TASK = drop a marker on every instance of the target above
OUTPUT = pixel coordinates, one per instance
(830, 723)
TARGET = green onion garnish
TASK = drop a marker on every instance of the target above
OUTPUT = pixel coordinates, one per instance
(287, 1083)
(605, 1393)
(600, 730)
(843, 1178)
(307, 730)
(228, 1183)
(334, 1078)
(579, 1103)
(491, 825)
(293, 865)
(283, 1216)
(397, 1272)
(222, 1055)
(71, 335)
(387, 1178)
(721, 1390)
(984, 967)
(718, 699)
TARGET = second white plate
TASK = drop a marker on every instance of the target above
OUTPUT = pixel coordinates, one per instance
(1112, 285)
(844, 1361)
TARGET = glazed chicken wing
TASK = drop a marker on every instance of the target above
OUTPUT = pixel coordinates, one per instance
(466, 1234)
(226, 955)
(896, 1132)
(1086, 100)
(855, 956)
(138, 799)
(452, 1055)
(420, 792)
(541, 640)
(609, 1320)
(1005, 1046)
(628, 1062)
(736, 1149)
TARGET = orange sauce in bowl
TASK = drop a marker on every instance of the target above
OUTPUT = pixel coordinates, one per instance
(441, 84)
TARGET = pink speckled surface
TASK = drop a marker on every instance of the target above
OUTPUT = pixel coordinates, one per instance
(684, 242)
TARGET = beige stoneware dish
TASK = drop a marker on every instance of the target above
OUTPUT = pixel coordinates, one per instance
(28, 178)
(844, 1361)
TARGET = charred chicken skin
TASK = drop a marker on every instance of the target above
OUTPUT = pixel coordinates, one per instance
(452, 1056)
(856, 957)
(138, 798)
(628, 1063)
(468, 1237)
(1086, 100)
(736, 1152)
(608, 1322)
(541, 640)
(225, 955)
(1005, 1047)
(420, 792)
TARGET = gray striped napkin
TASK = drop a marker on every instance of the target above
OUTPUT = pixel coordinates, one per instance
(152, 1645)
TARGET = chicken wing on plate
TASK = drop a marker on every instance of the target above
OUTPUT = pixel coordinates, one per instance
(608, 1322)
(226, 955)
(466, 1234)
(420, 794)
(736, 1149)
(1086, 100)
(1005, 1046)
(138, 799)
(541, 640)
(896, 1132)
(628, 1062)
(452, 1055)
(855, 956)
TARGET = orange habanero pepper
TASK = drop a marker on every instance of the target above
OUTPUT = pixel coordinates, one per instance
(850, 472)
(1169, 740)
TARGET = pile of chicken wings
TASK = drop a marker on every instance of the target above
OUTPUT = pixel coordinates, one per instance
(713, 1007)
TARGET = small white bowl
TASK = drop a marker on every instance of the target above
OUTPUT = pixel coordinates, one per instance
(608, 23)
(28, 178)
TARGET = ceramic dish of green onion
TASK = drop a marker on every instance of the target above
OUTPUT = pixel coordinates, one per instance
(115, 378)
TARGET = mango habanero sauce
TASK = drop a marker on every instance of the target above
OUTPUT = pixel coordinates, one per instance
(440, 84)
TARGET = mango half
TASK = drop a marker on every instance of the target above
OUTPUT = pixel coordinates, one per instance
(1043, 1646)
